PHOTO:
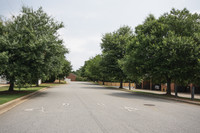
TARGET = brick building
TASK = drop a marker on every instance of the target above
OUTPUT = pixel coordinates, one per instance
(72, 77)
(163, 87)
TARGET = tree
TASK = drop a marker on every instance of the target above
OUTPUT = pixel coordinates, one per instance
(3, 54)
(166, 49)
(183, 30)
(33, 46)
(92, 69)
(78, 74)
(65, 69)
(130, 63)
(104, 70)
(114, 48)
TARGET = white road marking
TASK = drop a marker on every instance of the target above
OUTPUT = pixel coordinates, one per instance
(101, 104)
(42, 109)
(35, 109)
(130, 109)
(65, 104)
(28, 109)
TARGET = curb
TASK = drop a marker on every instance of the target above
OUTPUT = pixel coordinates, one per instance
(11, 104)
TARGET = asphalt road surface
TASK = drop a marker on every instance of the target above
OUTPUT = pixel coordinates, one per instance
(83, 107)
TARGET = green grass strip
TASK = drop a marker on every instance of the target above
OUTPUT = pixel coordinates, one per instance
(6, 96)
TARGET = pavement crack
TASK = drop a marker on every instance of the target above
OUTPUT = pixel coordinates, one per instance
(100, 125)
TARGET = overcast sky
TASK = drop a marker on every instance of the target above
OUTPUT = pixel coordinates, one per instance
(87, 20)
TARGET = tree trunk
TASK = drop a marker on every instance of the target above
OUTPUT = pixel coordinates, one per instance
(103, 83)
(12, 84)
(192, 92)
(37, 84)
(129, 85)
(59, 80)
(151, 84)
(168, 86)
(176, 91)
(121, 84)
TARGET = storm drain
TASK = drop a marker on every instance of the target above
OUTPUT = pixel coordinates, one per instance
(149, 105)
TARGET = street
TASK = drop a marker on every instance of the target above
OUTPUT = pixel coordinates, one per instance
(83, 107)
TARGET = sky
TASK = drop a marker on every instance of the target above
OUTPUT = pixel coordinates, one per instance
(86, 21)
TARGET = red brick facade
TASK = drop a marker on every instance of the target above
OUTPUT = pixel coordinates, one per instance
(72, 77)
(149, 85)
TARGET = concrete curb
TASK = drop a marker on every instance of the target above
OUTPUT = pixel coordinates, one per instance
(11, 104)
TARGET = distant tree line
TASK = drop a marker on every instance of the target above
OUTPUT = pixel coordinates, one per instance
(165, 49)
(30, 48)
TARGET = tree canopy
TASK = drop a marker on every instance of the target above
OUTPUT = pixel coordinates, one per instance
(66, 68)
(166, 48)
(114, 49)
(31, 47)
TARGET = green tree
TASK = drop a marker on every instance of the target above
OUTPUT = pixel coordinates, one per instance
(65, 69)
(78, 74)
(167, 48)
(33, 46)
(130, 65)
(114, 49)
(3, 54)
(92, 69)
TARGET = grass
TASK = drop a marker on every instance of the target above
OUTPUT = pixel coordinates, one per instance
(6, 96)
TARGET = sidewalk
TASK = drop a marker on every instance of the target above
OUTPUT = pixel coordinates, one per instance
(1, 85)
(180, 94)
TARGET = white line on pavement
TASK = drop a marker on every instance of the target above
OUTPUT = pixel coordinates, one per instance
(35, 109)
(42, 109)
(28, 109)
(101, 104)
(130, 109)
(65, 104)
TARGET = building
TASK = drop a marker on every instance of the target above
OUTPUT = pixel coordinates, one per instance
(72, 77)
(3, 80)
(147, 84)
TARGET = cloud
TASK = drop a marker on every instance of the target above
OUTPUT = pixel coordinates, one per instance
(86, 21)
(196, 11)
(82, 48)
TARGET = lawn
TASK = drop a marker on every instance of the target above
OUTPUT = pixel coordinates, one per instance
(6, 96)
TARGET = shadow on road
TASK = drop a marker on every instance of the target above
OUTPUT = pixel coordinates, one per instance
(85, 83)
(99, 87)
(138, 96)
(123, 94)
(126, 95)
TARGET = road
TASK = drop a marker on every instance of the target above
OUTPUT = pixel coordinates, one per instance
(82, 107)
